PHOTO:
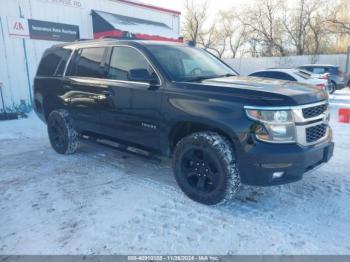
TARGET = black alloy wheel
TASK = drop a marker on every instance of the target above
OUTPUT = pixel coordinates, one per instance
(201, 169)
(63, 138)
(205, 167)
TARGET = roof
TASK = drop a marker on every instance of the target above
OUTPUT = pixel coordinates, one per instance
(320, 65)
(111, 41)
(287, 70)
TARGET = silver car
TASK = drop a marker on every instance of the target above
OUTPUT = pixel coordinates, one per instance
(338, 79)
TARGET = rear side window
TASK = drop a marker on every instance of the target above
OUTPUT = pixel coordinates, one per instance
(334, 70)
(62, 64)
(258, 74)
(282, 76)
(319, 70)
(89, 63)
(53, 62)
(274, 75)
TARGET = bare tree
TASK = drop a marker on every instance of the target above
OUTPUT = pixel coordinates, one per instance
(225, 35)
(263, 21)
(318, 37)
(297, 23)
(270, 27)
(214, 39)
(194, 19)
(339, 18)
(234, 31)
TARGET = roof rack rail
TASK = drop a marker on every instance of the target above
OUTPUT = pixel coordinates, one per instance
(83, 39)
(120, 38)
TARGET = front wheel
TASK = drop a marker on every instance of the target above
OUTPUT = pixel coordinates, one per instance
(205, 168)
(63, 138)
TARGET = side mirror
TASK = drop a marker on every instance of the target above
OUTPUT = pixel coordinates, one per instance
(142, 75)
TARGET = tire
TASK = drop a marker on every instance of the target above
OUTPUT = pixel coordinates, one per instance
(205, 168)
(63, 138)
(331, 88)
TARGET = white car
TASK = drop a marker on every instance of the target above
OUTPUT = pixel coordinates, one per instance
(295, 75)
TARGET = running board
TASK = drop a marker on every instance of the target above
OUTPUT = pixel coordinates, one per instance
(121, 147)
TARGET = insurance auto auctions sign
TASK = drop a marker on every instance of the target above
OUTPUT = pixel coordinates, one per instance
(18, 27)
(42, 30)
(52, 31)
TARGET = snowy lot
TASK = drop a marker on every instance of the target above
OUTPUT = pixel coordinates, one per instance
(101, 201)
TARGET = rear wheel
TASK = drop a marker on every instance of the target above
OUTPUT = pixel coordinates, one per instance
(63, 138)
(331, 88)
(205, 168)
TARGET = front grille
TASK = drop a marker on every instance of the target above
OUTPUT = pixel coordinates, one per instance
(314, 111)
(315, 133)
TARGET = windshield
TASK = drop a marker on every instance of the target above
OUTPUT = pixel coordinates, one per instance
(185, 63)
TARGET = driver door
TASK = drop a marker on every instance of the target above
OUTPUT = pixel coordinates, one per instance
(136, 114)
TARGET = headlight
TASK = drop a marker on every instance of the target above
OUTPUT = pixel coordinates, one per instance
(276, 126)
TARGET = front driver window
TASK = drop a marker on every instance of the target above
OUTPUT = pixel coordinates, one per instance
(184, 63)
(125, 60)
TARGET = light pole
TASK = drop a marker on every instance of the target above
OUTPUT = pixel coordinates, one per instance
(2, 99)
(347, 61)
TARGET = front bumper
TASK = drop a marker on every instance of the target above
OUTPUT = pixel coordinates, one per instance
(259, 161)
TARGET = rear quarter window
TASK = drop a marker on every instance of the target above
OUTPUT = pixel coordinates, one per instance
(303, 74)
(53, 62)
(88, 63)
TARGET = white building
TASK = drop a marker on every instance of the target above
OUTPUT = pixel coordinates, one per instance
(28, 27)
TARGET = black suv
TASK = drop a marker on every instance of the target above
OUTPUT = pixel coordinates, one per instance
(221, 129)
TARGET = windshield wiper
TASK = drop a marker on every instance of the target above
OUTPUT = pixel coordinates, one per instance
(227, 75)
(201, 78)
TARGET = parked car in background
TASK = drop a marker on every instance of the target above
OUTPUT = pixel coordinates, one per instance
(294, 75)
(338, 78)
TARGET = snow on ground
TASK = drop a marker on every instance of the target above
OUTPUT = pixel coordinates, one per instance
(30, 127)
(101, 201)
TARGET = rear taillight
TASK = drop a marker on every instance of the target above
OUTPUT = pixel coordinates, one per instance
(341, 73)
(321, 86)
(325, 76)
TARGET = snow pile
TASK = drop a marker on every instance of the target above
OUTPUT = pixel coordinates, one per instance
(101, 201)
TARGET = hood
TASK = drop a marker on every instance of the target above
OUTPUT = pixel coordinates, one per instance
(262, 91)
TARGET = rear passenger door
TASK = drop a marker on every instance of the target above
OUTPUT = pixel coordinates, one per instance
(84, 89)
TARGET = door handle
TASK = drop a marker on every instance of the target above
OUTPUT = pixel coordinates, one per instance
(100, 97)
(106, 93)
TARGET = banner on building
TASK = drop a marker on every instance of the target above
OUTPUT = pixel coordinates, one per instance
(51, 31)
